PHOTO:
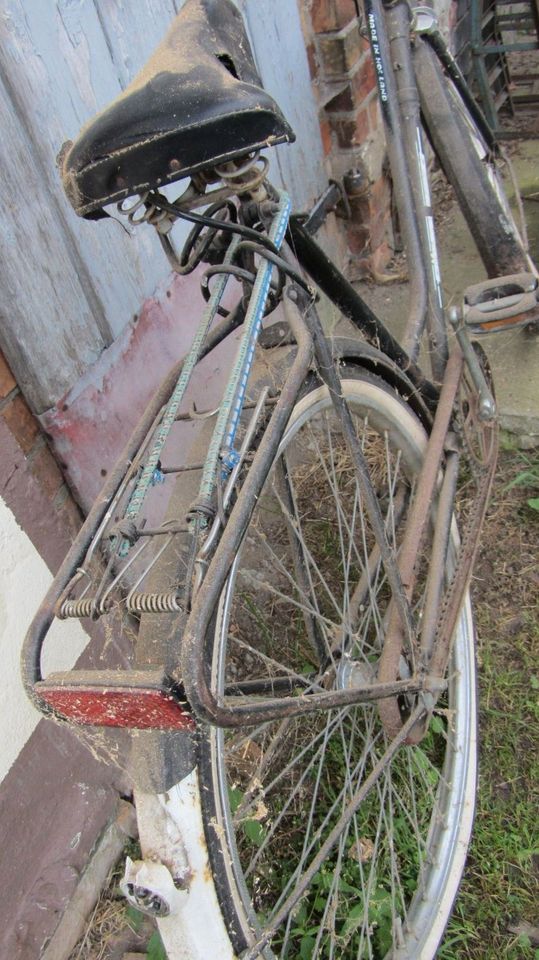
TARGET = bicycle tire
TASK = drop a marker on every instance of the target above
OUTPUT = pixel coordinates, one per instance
(389, 899)
(469, 168)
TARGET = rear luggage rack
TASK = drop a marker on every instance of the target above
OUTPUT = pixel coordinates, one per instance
(136, 699)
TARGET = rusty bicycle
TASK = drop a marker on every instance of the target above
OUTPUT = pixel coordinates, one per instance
(291, 568)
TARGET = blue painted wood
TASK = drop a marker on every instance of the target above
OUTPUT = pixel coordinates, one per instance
(132, 30)
(47, 317)
(61, 72)
(63, 60)
(277, 38)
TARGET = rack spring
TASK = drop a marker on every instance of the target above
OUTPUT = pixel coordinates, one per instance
(153, 603)
(77, 608)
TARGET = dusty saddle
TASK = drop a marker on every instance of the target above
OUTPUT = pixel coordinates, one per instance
(197, 103)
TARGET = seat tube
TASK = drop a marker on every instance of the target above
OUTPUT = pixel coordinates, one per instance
(397, 17)
(389, 31)
(387, 94)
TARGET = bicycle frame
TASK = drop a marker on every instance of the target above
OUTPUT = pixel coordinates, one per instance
(234, 530)
(400, 364)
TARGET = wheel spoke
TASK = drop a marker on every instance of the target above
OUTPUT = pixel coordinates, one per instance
(310, 602)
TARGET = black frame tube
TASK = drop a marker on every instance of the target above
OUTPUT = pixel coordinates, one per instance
(341, 292)
(450, 65)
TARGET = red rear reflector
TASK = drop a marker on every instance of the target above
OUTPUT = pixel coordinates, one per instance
(84, 699)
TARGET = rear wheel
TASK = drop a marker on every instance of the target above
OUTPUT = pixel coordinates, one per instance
(304, 609)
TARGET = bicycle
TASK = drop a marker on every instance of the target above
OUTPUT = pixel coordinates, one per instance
(302, 689)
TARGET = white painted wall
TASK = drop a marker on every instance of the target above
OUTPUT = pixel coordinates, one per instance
(24, 580)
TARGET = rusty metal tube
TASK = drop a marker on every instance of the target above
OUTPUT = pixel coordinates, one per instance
(417, 521)
(37, 632)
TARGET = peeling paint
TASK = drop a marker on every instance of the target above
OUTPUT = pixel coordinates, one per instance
(89, 425)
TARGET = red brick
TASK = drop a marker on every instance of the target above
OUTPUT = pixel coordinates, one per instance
(366, 77)
(312, 61)
(380, 195)
(364, 45)
(360, 86)
(359, 240)
(7, 380)
(47, 472)
(344, 102)
(379, 229)
(332, 14)
(21, 423)
(362, 126)
(360, 209)
(374, 116)
(351, 131)
(345, 131)
(325, 131)
(339, 52)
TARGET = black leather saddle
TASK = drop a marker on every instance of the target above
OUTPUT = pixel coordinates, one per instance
(198, 102)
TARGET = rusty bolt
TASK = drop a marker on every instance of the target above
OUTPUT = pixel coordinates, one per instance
(356, 182)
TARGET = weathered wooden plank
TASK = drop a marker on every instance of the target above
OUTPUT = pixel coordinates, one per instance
(132, 30)
(48, 330)
(63, 73)
(277, 38)
(62, 60)
(59, 71)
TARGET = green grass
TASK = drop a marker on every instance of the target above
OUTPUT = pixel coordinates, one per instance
(156, 950)
(500, 887)
(528, 477)
(501, 883)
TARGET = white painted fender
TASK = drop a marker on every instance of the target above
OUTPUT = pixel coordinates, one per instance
(172, 833)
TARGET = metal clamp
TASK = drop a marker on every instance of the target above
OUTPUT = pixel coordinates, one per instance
(487, 404)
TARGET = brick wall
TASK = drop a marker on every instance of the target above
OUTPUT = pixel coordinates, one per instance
(56, 798)
(31, 483)
(344, 81)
